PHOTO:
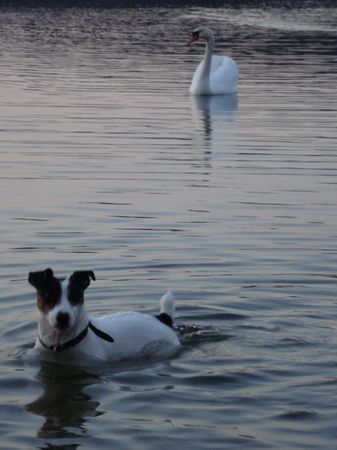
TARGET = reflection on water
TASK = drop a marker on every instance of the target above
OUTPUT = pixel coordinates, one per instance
(64, 405)
(107, 164)
(214, 111)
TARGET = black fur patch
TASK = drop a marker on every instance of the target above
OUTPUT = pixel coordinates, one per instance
(78, 282)
(48, 289)
(165, 319)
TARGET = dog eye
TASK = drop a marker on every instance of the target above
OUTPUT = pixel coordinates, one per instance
(75, 296)
(48, 297)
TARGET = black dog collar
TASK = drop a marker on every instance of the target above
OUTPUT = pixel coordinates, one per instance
(69, 344)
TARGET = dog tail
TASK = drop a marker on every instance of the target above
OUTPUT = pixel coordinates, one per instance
(167, 304)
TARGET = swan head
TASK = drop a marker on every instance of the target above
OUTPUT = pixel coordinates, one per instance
(201, 33)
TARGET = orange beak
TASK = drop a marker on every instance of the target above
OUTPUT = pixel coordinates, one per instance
(194, 37)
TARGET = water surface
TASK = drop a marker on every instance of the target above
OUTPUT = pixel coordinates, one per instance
(107, 164)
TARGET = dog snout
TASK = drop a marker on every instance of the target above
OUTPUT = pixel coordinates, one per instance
(62, 320)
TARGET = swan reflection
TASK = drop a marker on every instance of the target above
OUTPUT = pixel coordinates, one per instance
(216, 113)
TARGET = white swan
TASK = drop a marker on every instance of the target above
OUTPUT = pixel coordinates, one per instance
(215, 74)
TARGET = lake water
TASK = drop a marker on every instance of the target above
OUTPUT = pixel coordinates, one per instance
(108, 164)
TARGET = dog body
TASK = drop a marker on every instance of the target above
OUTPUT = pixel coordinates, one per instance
(64, 326)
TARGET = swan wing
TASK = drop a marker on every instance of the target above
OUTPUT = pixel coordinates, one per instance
(222, 78)
(223, 75)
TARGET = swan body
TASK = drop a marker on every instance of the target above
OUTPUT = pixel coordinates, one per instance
(216, 74)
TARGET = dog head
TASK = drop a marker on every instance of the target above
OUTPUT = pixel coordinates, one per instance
(60, 300)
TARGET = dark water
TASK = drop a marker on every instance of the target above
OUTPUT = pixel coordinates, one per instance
(108, 164)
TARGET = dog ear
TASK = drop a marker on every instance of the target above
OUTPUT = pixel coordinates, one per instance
(39, 279)
(82, 278)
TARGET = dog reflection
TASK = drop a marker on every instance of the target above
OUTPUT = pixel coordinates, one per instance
(64, 405)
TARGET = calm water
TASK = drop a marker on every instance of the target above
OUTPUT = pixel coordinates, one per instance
(108, 164)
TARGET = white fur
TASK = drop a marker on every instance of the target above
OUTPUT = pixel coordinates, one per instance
(167, 304)
(63, 307)
(136, 335)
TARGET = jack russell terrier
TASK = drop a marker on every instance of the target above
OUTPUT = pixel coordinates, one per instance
(65, 327)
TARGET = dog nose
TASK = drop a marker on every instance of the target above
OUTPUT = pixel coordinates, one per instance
(62, 320)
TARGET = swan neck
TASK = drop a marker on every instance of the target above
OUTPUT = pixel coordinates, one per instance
(209, 43)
